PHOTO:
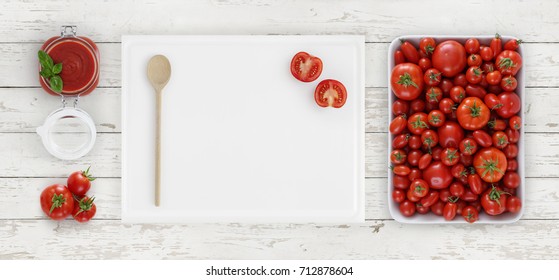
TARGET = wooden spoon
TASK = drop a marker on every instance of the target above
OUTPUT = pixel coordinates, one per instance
(159, 73)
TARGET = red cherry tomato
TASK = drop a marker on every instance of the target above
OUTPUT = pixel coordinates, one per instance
(305, 67)
(427, 45)
(401, 170)
(475, 91)
(438, 175)
(468, 146)
(415, 142)
(494, 201)
(399, 57)
(450, 58)
(500, 139)
(472, 113)
(490, 164)
(437, 208)
(497, 124)
(407, 81)
(493, 78)
(450, 156)
(398, 156)
(398, 195)
(471, 46)
(436, 152)
(432, 77)
(407, 208)
(510, 104)
(445, 85)
(415, 173)
(474, 181)
(79, 182)
(511, 180)
(512, 164)
(509, 83)
(496, 44)
(474, 60)
(450, 134)
(436, 118)
(514, 204)
(473, 75)
(417, 123)
(420, 188)
(398, 124)
(486, 53)
(400, 141)
(457, 189)
(470, 214)
(460, 80)
(449, 211)
(400, 182)
(400, 107)
(508, 62)
(512, 44)
(414, 156)
(513, 135)
(482, 138)
(433, 95)
(515, 122)
(457, 94)
(57, 201)
(424, 63)
(417, 105)
(469, 196)
(429, 138)
(410, 52)
(424, 161)
(430, 199)
(84, 209)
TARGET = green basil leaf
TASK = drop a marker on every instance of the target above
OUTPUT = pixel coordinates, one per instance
(56, 69)
(43, 59)
(46, 73)
(49, 63)
(56, 83)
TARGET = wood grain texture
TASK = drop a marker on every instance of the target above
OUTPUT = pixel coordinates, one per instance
(29, 21)
(541, 62)
(371, 240)
(19, 198)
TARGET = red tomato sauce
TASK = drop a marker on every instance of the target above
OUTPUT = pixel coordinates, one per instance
(79, 58)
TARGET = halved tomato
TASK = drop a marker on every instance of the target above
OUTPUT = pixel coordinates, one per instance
(330, 93)
(305, 67)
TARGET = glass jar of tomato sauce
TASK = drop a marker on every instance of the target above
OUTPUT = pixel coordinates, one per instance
(69, 132)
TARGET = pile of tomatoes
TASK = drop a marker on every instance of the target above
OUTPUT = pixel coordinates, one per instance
(59, 201)
(456, 128)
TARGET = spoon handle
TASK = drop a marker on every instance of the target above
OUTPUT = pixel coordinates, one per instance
(158, 150)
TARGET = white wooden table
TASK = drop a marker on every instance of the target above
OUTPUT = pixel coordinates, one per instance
(26, 168)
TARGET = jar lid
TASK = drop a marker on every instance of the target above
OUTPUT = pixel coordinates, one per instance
(68, 133)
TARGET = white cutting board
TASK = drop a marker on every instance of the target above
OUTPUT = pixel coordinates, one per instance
(242, 140)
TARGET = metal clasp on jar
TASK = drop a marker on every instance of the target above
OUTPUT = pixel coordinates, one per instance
(68, 30)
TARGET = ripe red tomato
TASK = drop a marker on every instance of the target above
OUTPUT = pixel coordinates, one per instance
(515, 122)
(438, 175)
(414, 142)
(474, 181)
(414, 156)
(458, 170)
(436, 152)
(433, 95)
(410, 52)
(411, 196)
(490, 164)
(424, 161)
(472, 113)
(417, 123)
(424, 63)
(509, 83)
(427, 45)
(474, 60)
(471, 46)
(470, 214)
(445, 85)
(305, 67)
(475, 91)
(436, 118)
(513, 135)
(400, 141)
(510, 104)
(430, 198)
(496, 44)
(450, 58)
(437, 208)
(446, 105)
(400, 107)
(486, 53)
(482, 138)
(511, 151)
(398, 195)
(468, 146)
(450, 156)
(512, 44)
(497, 124)
(420, 188)
(488, 66)
(511, 180)
(330, 93)
(457, 94)
(419, 208)
(460, 80)
(512, 164)
(429, 138)
(57, 201)
(469, 196)
(84, 209)
(450, 134)
(415, 173)
(79, 182)
(399, 57)
(457, 189)
(500, 139)
(398, 124)
(473, 75)
(449, 211)
(514, 204)
(401, 170)
(398, 156)
(400, 182)
(407, 81)
(492, 101)
(432, 77)
(407, 208)
(417, 105)
(508, 62)
(494, 201)
(493, 78)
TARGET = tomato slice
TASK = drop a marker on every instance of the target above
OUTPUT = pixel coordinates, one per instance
(305, 67)
(330, 93)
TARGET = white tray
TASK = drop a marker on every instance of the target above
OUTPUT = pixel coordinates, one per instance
(242, 140)
(431, 218)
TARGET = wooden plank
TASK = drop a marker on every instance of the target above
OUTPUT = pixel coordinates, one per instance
(19, 198)
(540, 60)
(22, 155)
(25, 109)
(380, 21)
(32, 239)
